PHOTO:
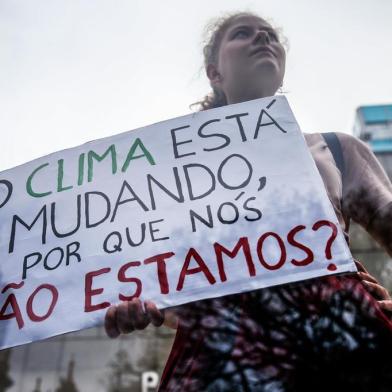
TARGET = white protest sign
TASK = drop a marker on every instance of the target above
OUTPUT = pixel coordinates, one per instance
(217, 202)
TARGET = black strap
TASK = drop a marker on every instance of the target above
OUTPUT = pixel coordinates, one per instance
(336, 149)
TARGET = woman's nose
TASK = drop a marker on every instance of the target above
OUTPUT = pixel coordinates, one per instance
(262, 37)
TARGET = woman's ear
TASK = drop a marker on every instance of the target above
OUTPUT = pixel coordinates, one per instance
(213, 75)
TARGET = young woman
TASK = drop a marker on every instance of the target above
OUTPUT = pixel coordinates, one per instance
(292, 337)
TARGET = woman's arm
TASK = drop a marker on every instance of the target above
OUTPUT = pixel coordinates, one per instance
(380, 227)
(367, 191)
(367, 199)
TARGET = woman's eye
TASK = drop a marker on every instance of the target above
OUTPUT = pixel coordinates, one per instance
(273, 36)
(241, 34)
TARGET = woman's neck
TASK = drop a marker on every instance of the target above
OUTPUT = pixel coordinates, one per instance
(250, 94)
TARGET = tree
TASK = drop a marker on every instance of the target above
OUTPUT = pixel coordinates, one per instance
(68, 384)
(38, 383)
(5, 379)
(122, 375)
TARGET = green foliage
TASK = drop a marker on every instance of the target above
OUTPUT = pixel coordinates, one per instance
(5, 379)
(122, 375)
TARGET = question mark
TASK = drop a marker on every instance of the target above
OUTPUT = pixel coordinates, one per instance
(328, 253)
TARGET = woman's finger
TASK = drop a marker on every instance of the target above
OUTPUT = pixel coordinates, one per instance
(171, 318)
(110, 323)
(367, 277)
(377, 290)
(157, 316)
(386, 305)
(360, 267)
(124, 318)
(140, 318)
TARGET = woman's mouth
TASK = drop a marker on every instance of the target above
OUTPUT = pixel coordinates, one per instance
(262, 50)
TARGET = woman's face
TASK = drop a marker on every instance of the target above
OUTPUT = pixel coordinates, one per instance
(251, 61)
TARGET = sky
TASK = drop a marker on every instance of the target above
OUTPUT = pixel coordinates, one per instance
(78, 70)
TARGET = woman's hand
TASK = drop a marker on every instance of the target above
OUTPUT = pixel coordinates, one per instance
(130, 315)
(379, 292)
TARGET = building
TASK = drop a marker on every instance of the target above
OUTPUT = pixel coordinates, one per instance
(373, 124)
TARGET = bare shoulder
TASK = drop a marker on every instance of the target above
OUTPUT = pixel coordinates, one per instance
(312, 138)
(354, 150)
(349, 141)
(350, 144)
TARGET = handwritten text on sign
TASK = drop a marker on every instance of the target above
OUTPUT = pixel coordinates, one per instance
(204, 205)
